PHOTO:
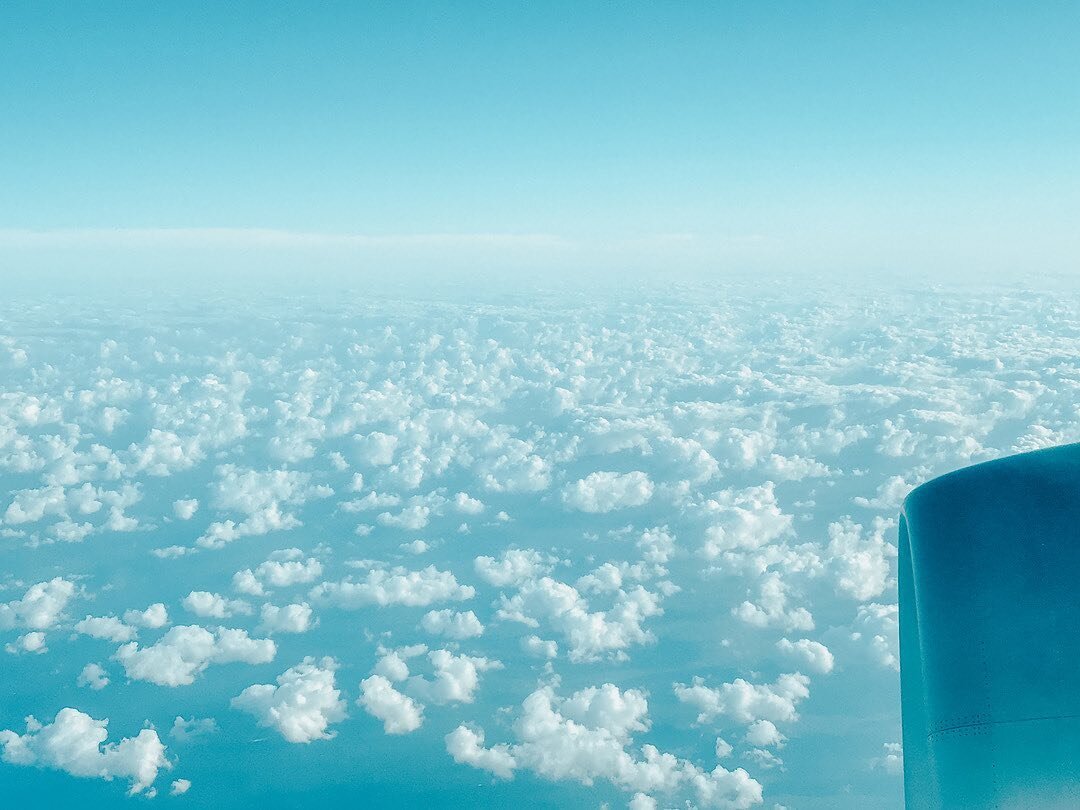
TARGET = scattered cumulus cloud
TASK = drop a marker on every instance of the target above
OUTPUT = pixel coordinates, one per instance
(185, 651)
(588, 736)
(394, 586)
(302, 705)
(40, 608)
(76, 743)
(601, 492)
(507, 502)
(452, 624)
(93, 676)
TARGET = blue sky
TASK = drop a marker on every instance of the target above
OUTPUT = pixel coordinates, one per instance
(898, 137)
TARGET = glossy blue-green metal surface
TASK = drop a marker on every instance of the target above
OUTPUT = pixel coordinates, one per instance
(990, 635)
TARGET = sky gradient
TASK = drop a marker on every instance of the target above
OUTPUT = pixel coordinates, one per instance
(932, 138)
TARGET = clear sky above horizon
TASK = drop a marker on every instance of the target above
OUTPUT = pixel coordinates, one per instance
(912, 136)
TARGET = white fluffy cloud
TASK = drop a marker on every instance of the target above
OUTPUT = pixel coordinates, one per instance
(538, 647)
(878, 626)
(163, 452)
(591, 635)
(457, 677)
(294, 618)
(510, 465)
(889, 495)
(607, 491)
(468, 505)
(746, 702)
(764, 734)
(214, 605)
(153, 617)
(71, 532)
(265, 498)
(795, 468)
(744, 519)
(251, 491)
(452, 624)
(376, 449)
(610, 576)
(813, 654)
(185, 509)
(513, 567)
(657, 545)
(31, 505)
(863, 564)
(187, 650)
(284, 569)
(394, 663)
(641, 801)
(411, 518)
(302, 705)
(399, 713)
(106, 627)
(772, 609)
(32, 642)
(74, 742)
(40, 608)
(589, 736)
(396, 586)
(466, 746)
(93, 676)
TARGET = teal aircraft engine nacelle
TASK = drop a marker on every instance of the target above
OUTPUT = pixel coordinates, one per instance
(990, 635)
